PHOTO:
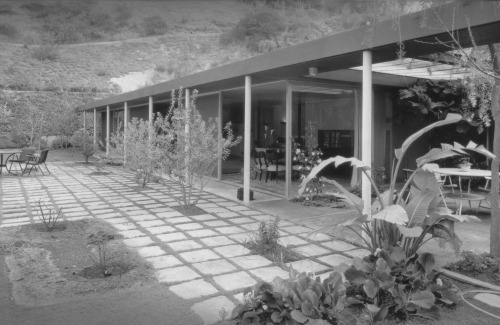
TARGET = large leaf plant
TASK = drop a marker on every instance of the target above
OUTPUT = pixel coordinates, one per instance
(408, 217)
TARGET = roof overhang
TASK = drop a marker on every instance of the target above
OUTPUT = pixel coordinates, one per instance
(343, 50)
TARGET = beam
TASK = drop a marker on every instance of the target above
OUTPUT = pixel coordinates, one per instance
(108, 128)
(187, 107)
(84, 120)
(246, 151)
(288, 141)
(366, 129)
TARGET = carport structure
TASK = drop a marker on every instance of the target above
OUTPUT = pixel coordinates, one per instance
(361, 65)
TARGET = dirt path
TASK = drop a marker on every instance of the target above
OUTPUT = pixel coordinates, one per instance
(150, 306)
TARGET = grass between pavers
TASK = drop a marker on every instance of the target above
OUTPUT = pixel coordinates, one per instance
(112, 198)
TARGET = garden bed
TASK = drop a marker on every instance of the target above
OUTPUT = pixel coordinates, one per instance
(49, 267)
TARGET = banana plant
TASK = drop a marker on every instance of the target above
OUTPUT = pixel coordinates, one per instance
(396, 222)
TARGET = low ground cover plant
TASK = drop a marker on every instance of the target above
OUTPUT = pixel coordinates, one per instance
(301, 299)
(483, 267)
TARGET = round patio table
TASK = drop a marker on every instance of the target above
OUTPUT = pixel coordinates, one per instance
(7, 153)
(461, 196)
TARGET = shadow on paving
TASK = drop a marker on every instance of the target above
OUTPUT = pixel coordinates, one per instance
(149, 305)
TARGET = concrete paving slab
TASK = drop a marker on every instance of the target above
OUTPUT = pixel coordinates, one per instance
(176, 274)
(209, 309)
(360, 252)
(138, 242)
(164, 261)
(150, 251)
(199, 256)
(312, 250)
(335, 260)
(308, 265)
(193, 289)
(269, 273)
(161, 230)
(251, 261)
(214, 267)
(175, 236)
(232, 250)
(338, 245)
(233, 281)
(184, 245)
(217, 241)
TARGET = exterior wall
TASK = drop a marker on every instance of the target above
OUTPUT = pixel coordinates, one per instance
(141, 112)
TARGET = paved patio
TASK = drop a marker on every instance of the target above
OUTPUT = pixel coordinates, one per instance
(200, 258)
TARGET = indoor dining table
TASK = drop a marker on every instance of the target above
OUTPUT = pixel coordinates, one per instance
(5, 155)
(461, 196)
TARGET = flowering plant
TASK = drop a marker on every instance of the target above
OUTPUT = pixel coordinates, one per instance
(308, 159)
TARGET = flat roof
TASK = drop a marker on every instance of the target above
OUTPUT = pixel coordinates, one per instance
(342, 50)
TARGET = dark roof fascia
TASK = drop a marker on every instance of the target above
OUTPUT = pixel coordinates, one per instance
(340, 50)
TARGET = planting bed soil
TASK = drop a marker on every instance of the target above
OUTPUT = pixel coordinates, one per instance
(50, 267)
(329, 201)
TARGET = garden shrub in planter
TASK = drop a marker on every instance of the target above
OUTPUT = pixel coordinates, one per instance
(390, 285)
(301, 299)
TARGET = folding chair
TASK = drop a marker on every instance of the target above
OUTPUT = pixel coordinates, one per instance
(37, 162)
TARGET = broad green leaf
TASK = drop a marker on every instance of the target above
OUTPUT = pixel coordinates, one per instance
(480, 150)
(450, 119)
(350, 198)
(440, 213)
(423, 299)
(318, 322)
(382, 314)
(431, 313)
(428, 261)
(395, 214)
(435, 154)
(372, 308)
(312, 297)
(418, 207)
(307, 308)
(276, 317)
(337, 160)
(397, 254)
(298, 316)
(381, 265)
(355, 276)
(412, 232)
(424, 180)
(371, 287)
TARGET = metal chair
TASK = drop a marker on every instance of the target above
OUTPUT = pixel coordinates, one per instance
(258, 167)
(24, 156)
(37, 162)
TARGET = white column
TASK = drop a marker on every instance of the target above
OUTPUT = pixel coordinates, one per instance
(288, 141)
(187, 107)
(219, 160)
(108, 128)
(366, 128)
(95, 125)
(246, 155)
(150, 116)
(84, 120)
(125, 125)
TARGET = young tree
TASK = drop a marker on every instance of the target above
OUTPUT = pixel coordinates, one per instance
(84, 139)
(191, 147)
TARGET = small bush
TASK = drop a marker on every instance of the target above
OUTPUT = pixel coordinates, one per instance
(45, 51)
(160, 68)
(84, 139)
(6, 9)
(123, 14)
(255, 27)
(63, 31)
(47, 213)
(267, 235)
(34, 7)
(98, 237)
(102, 73)
(154, 25)
(8, 30)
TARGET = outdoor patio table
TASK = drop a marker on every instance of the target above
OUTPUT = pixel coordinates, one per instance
(461, 196)
(8, 153)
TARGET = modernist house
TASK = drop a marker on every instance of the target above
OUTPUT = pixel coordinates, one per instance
(344, 84)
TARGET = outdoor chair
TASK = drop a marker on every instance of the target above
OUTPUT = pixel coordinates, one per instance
(273, 167)
(24, 157)
(37, 163)
(260, 163)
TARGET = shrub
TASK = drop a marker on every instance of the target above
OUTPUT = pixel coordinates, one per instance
(154, 25)
(45, 49)
(63, 31)
(102, 73)
(83, 139)
(298, 300)
(98, 237)
(8, 30)
(390, 285)
(47, 213)
(472, 262)
(267, 235)
(6, 9)
(257, 26)
(123, 14)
